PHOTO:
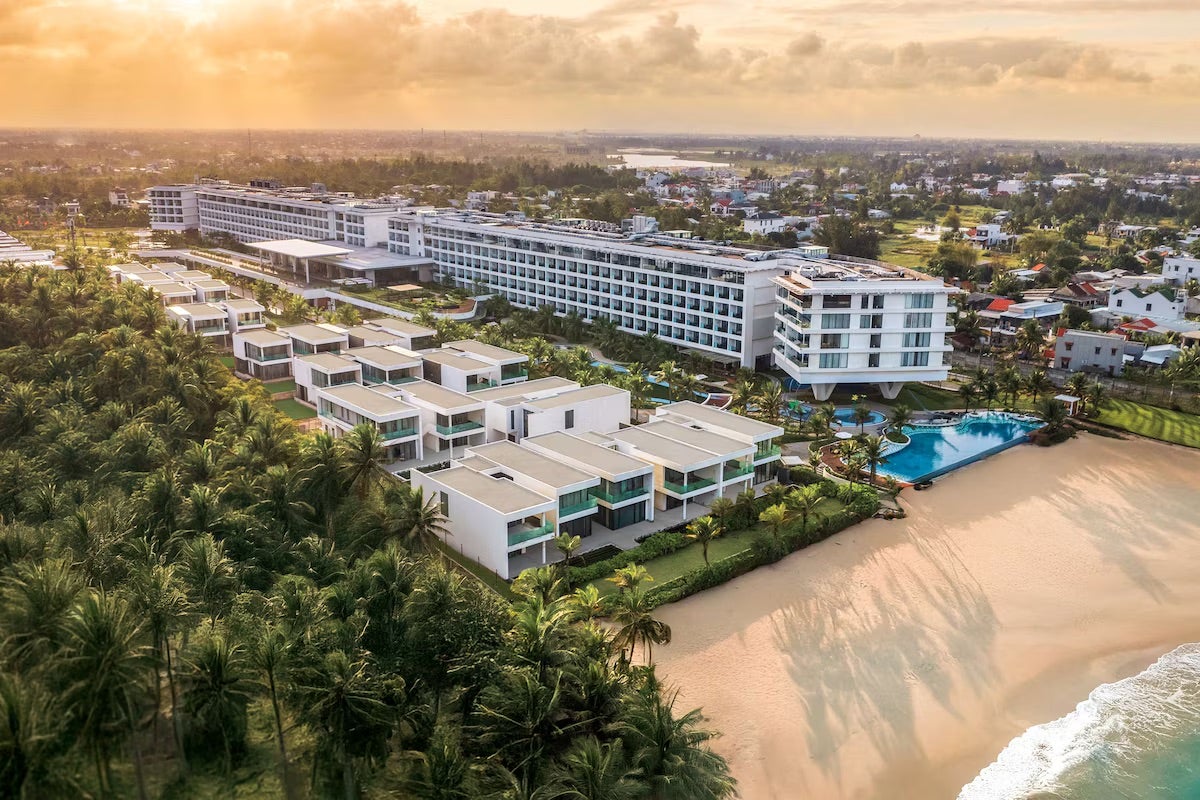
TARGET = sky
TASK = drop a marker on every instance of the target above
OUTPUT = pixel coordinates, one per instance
(1062, 69)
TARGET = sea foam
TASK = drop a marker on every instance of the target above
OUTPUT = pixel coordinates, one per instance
(1135, 739)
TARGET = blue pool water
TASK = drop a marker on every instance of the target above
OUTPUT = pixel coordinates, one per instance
(844, 414)
(1137, 739)
(936, 451)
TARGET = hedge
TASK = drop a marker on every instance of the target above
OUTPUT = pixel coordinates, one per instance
(765, 550)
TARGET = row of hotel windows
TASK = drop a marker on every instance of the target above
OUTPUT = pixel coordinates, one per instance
(842, 321)
(841, 341)
(585, 253)
(866, 301)
(842, 360)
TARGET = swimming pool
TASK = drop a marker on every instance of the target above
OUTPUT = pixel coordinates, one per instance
(844, 414)
(936, 450)
(656, 396)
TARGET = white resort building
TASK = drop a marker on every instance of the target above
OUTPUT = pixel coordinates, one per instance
(851, 321)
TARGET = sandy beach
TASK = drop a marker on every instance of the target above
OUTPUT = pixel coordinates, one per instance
(898, 659)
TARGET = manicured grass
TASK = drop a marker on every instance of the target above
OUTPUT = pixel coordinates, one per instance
(681, 562)
(1156, 423)
(275, 387)
(295, 409)
(918, 396)
(227, 361)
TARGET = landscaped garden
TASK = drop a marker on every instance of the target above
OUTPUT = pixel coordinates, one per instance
(1163, 424)
(415, 298)
(294, 409)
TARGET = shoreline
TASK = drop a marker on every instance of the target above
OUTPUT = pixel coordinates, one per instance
(898, 658)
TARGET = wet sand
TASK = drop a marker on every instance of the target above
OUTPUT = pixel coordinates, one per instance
(898, 659)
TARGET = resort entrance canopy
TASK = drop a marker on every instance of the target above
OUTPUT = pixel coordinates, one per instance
(334, 261)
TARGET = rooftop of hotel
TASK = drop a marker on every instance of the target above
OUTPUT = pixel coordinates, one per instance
(368, 400)
(372, 335)
(540, 468)
(449, 358)
(439, 396)
(293, 193)
(836, 268)
(198, 310)
(656, 446)
(314, 333)
(299, 248)
(705, 440)
(594, 392)
(171, 288)
(498, 494)
(525, 388)
(722, 419)
(477, 348)
(401, 326)
(243, 304)
(329, 362)
(261, 337)
(388, 357)
(605, 460)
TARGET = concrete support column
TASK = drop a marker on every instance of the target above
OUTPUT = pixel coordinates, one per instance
(890, 389)
(823, 391)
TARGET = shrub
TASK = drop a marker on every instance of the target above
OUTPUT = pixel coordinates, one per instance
(655, 545)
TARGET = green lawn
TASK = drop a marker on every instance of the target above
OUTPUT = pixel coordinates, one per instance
(681, 562)
(1156, 423)
(275, 387)
(295, 409)
(482, 573)
(227, 361)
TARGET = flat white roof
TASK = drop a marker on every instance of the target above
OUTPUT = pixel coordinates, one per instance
(674, 452)
(605, 460)
(498, 494)
(386, 357)
(401, 326)
(721, 419)
(314, 333)
(374, 403)
(438, 396)
(584, 393)
(541, 468)
(198, 310)
(525, 388)
(261, 337)
(299, 248)
(329, 362)
(714, 443)
(487, 350)
(457, 360)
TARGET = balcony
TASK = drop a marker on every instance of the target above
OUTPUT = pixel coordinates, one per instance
(264, 358)
(451, 430)
(737, 470)
(516, 538)
(767, 452)
(620, 497)
(566, 511)
(512, 374)
(399, 433)
(479, 385)
(688, 488)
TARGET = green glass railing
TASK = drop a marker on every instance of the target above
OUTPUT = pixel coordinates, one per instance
(766, 452)
(685, 488)
(516, 373)
(402, 379)
(617, 497)
(737, 471)
(261, 357)
(450, 430)
(399, 433)
(521, 537)
(575, 508)
(475, 387)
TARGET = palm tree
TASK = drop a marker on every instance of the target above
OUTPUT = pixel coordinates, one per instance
(637, 625)
(770, 401)
(721, 508)
(596, 771)
(218, 694)
(804, 500)
(687, 386)
(567, 545)
(990, 391)
(872, 449)
(776, 518)
(268, 655)
(104, 667)
(1010, 382)
(1030, 338)
(861, 416)
(704, 530)
(1095, 396)
(1036, 383)
(629, 578)
(968, 392)
(969, 325)
(586, 602)
(1053, 413)
(428, 524)
(668, 373)
(672, 754)
(363, 449)
(208, 574)
(900, 416)
(442, 771)
(744, 392)
(31, 725)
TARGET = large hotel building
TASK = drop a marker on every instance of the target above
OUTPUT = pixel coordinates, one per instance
(823, 320)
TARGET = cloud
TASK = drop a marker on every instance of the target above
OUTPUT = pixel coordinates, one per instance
(382, 63)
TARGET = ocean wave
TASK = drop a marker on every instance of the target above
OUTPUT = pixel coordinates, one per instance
(1135, 739)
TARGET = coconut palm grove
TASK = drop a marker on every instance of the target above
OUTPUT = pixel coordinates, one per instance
(198, 601)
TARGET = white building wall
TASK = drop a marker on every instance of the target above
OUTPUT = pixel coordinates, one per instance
(477, 531)
(601, 415)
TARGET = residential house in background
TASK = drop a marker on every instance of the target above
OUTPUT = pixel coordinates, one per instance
(1090, 351)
